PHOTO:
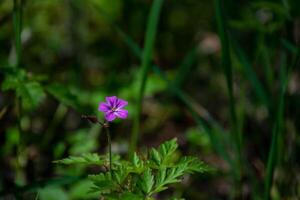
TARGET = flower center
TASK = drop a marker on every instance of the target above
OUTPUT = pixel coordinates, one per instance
(114, 109)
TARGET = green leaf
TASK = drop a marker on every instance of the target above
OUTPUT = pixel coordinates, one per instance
(146, 181)
(166, 176)
(193, 164)
(89, 159)
(130, 196)
(53, 193)
(167, 149)
(137, 164)
(32, 94)
(136, 160)
(120, 173)
(13, 138)
(155, 156)
(62, 94)
(173, 174)
(10, 82)
(103, 183)
(81, 190)
(160, 179)
(113, 196)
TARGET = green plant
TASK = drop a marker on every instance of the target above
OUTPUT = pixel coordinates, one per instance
(141, 177)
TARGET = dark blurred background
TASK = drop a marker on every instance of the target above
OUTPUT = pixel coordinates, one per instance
(60, 58)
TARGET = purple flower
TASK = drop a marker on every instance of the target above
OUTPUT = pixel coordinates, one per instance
(113, 108)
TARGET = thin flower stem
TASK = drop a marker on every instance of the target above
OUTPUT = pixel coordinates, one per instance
(103, 124)
(109, 149)
(106, 127)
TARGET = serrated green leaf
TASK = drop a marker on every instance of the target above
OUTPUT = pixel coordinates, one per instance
(166, 176)
(114, 196)
(155, 156)
(167, 149)
(173, 174)
(137, 165)
(146, 181)
(103, 183)
(130, 196)
(193, 164)
(160, 179)
(135, 160)
(89, 158)
(120, 173)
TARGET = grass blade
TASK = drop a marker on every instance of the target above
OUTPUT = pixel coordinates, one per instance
(273, 154)
(293, 49)
(276, 145)
(185, 67)
(250, 74)
(227, 67)
(146, 61)
(264, 55)
(17, 23)
(210, 126)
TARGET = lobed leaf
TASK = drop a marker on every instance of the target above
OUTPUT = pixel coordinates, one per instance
(146, 181)
(165, 151)
(103, 183)
(120, 173)
(89, 159)
(130, 196)
(193, 164)
(136, 160)
(30, 92)
(155, 156)
(167, 176)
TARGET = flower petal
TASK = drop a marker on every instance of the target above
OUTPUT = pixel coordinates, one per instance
(121, 113)
(111, 101)
(121, 103)
(104, 107)
(110, 116)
